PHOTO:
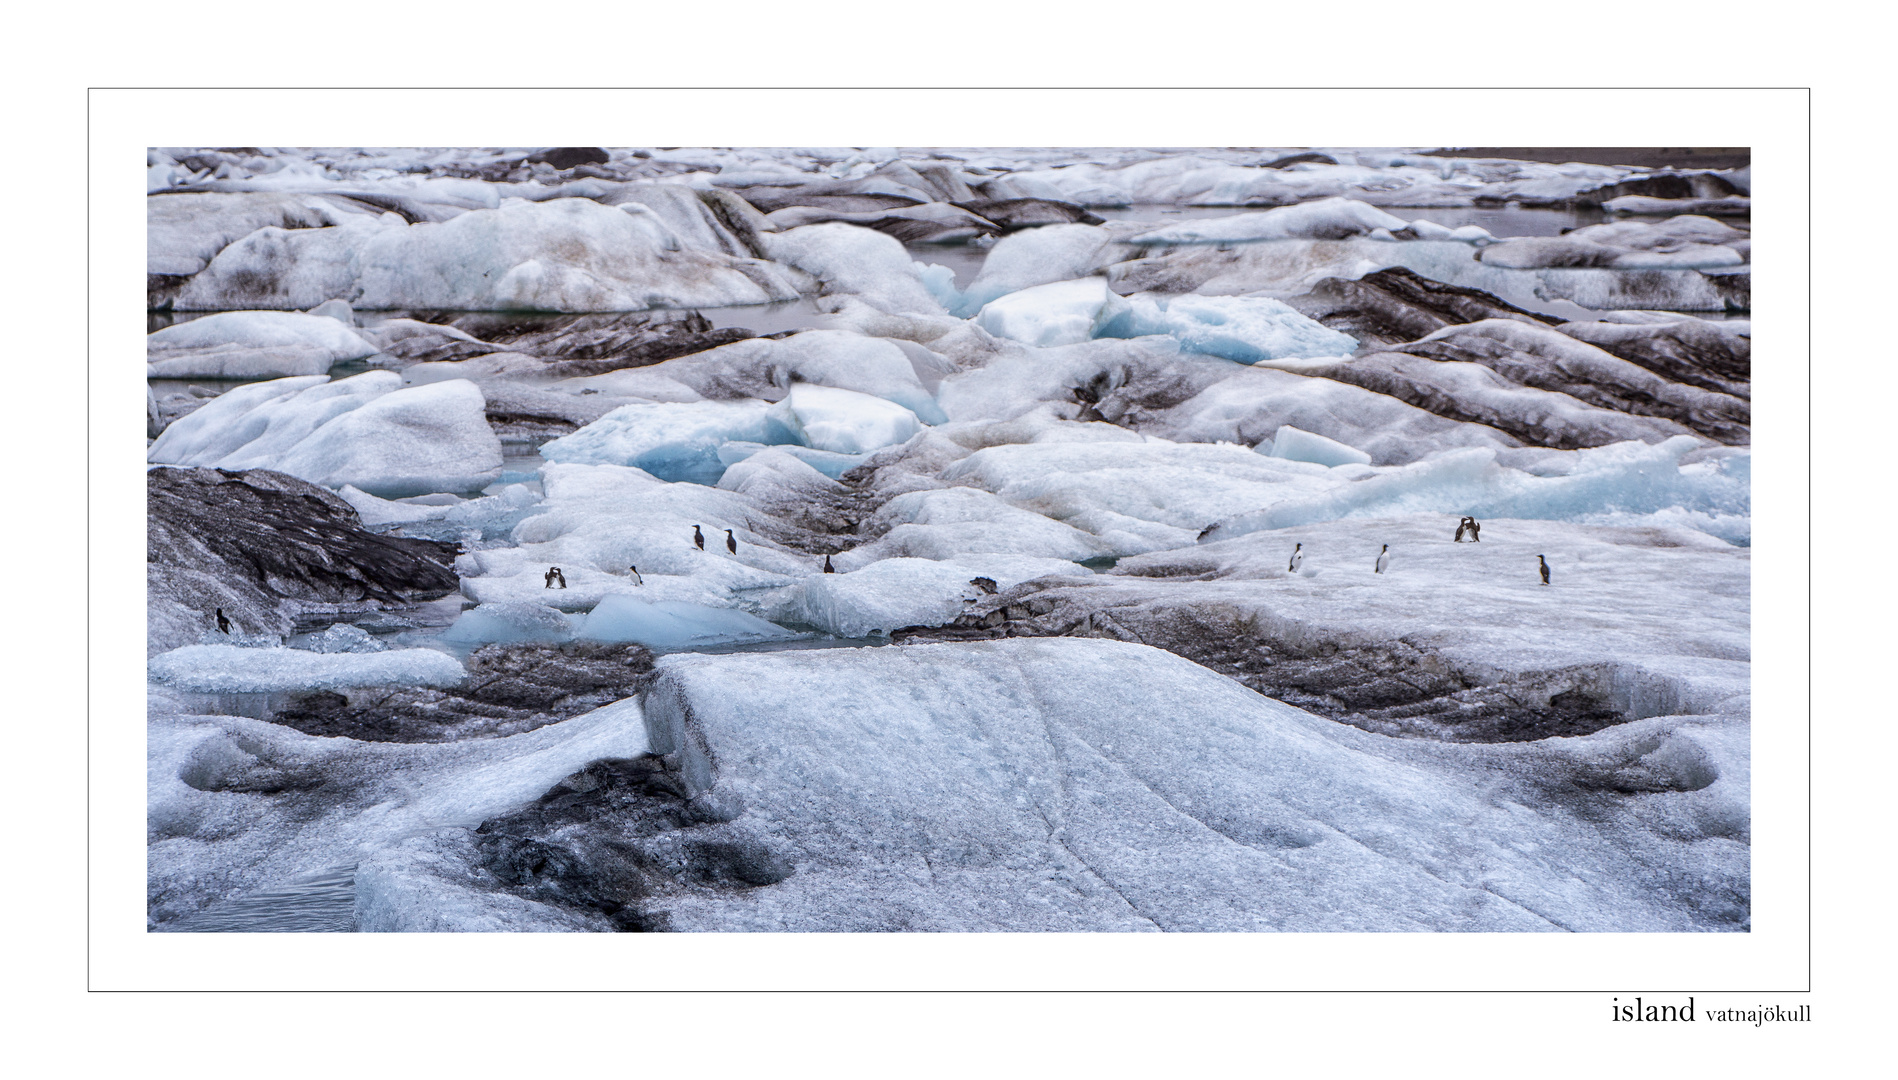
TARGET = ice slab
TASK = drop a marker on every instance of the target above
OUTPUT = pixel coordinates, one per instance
(1061, 313)
(848, 259)
(252, 344)
(230, 669)
(509, 624)
(890, 594)
(668, 624)
(672, 440)
(1322, 219)
(1296, 445)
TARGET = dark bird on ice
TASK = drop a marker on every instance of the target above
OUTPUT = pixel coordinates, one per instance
(1544, 564)
(223, 624)
(548, 577)
(1298, 559)
(560, 577)
(828, 569)
(1383, 559)
(637, 580)
(731, 544)
(986, 584)
(698, 537)
(1462, 526)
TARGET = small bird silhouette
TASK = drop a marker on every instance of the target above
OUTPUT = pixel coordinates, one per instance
(560, 577)
(548, 577)
(1544, 564)
(698, 537)
(731, 544)
(1383, 559)
(223, 624)
(828, 569)
(637, 580)
(1298, 559)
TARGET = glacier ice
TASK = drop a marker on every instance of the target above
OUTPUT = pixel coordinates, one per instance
(1245, 329)
(252, 344)
(890, 594)
(1297, 445)
(1322, 219)
(849, 259)
(367, 431)
(671, 440)
(672, 624)
(231, 669)
(508, 623)
(1060, 313)
(844, 421)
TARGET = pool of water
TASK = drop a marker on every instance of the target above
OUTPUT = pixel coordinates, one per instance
(319, 903)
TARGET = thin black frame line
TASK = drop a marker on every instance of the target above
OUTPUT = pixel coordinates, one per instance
(1213, 90)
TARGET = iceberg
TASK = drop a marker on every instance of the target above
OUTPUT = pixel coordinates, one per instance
(674, 441)
(252, 344)
(844, 421)
(1296, 445)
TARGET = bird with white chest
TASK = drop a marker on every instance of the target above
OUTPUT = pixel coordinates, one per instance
(1383, 559)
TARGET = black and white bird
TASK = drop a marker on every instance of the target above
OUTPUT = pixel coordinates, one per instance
(1544, 564)
(698, 537)
(223, 624)
(828, 569)
(548, 577)
(560, 577)
(1383, 559)
(637, 580)
(731, 543)
(1476, 530)
(1462, 526)
(1298, 559)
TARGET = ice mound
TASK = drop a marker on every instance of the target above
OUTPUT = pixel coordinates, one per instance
(954, 521)
(1562, 485)
(766, 369)
(1323, 219)
(893, 593)
(916, 788)
(212, 836)
(509, 624)
(1535, 252)
(674, 625)
(1296, 445)
(1245, 329)
(1061, 313)
(252, 344)
(1035, 257)
(844, 421)
(228, 669)
(345, 638)
(858, 261)
(672, 440)
(560, 255)
(366, 431)
(184, 230)
(824, 461)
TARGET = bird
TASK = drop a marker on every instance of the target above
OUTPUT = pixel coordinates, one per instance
(698, 537)
(548, 577)
(637, 580)
(986, 584)
(1383, 559)
(1462, 526)
(828, 569)
(1475, 530)
(1298, 559)
(1544, 563)
(731, 544)
(223, 624)
(560, 577)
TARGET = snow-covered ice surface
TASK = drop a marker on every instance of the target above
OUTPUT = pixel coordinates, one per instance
(1058, 459)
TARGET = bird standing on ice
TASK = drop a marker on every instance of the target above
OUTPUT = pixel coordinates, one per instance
(637, 580)
(731, 544)
(1298, 559)
(558, 576)
(698, 537)
(1544, 564)
(1383, 559)
(548, 577)
(828, 569)
(223, 624)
